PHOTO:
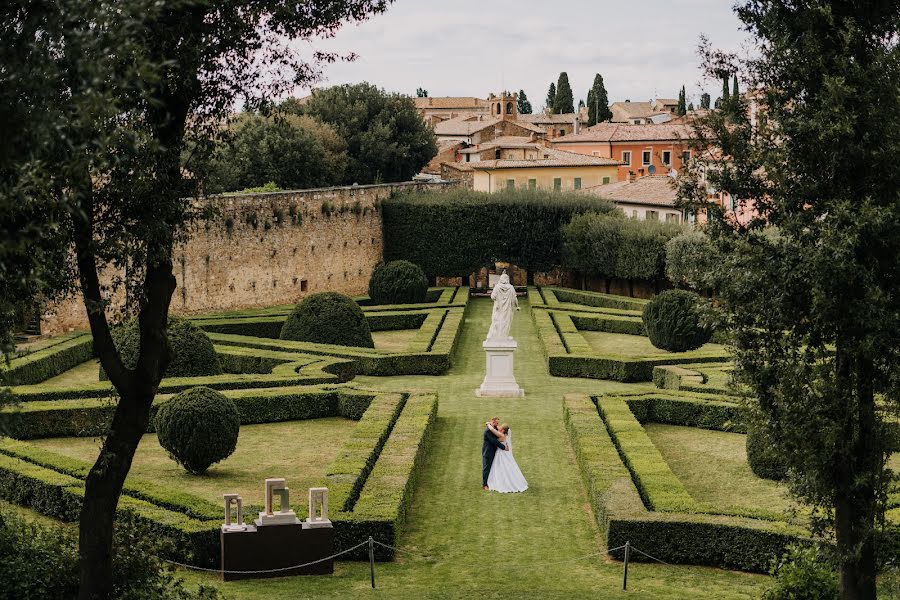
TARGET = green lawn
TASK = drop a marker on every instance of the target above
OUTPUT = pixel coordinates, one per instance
(712, 466)
(86, 372)
(467, 543)
(299, 451)
(394, 341)
(624, 344)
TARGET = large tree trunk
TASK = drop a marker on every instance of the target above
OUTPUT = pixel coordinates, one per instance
(855, 504)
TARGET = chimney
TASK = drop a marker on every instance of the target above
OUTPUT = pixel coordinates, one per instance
(577, 126)
(631, 176)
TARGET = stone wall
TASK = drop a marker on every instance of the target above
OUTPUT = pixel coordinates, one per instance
(268, 249)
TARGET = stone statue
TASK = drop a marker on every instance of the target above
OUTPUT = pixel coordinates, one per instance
(505, 301)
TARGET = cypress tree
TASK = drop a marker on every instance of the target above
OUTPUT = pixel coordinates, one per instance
(523, 105)
(564, 102)
(598, 102)
(725, 88)
(734, 91)
(682, 100)
(551, 98)
(705, 100)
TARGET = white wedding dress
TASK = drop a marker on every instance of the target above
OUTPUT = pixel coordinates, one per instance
(505, 476)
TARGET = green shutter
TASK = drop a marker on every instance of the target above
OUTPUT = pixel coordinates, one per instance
(557, 184)
(532, 184)
(578, 183)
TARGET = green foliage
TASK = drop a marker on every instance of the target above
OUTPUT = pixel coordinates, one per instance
(421, 92)
(550, 102)
(608, 245)
(398, 282)
(37, 561)
(192, 351)
(386, 139)
(705, 101)
(674, 321)
(523, 105)
(681, 110)
(259, 154)
(812, 310)
(67, 351)
(563, 102)
(328, 318)
(445, 232)
(692, 261)
(803, 573)
(198, 428)
(763, 456)
(598, 102)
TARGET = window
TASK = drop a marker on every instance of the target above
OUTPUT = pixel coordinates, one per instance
(685, 157)
(652, 215)
(562, 132)
(532, 184)
(578, 183)
(510, 184)
(605, 180)
(303, 285)
(667, 158)
(595, 152)
(645, 157)
(510, 156)
(626, 157)
(672, 218)
(634, 214)
(557, 184)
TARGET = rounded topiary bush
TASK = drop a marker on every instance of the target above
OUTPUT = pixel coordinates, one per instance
(198, 428)
(673, 321)
(762, 457)
(193, 354)
(328, 318)
(398, 282)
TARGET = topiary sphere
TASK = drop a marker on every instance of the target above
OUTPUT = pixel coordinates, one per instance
(672, 321)
(198, 428)
(328, 318)
(398, 282)
(762, 457)
(193, 354)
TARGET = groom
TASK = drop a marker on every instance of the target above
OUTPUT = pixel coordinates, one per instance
(489, 447)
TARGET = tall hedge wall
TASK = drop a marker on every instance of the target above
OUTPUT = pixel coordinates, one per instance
(454, 233)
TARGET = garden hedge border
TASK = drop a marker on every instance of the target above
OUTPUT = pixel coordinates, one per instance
(715, 540)
(394, 427)
(691, 378)
(49, 361)
(570, 355)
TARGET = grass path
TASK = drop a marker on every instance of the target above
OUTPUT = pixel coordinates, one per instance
(466, 542)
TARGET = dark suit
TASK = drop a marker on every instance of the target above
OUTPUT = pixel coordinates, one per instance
(489, 447)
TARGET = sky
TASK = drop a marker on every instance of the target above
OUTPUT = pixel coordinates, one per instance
(643, 50)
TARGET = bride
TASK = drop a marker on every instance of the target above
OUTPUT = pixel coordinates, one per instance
(505, 475)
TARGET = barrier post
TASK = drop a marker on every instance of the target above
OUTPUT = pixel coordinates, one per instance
(625, 576)
(372, 560)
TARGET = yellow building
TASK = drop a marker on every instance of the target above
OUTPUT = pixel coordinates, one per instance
(551, 170)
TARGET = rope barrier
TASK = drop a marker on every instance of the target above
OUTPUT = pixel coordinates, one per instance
(652, 557)
(261, 572)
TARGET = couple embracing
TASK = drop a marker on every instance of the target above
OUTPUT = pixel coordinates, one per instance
(499, 470)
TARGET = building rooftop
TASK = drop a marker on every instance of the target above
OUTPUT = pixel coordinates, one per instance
(549, 157)
(653, 190)
(451, 102)
(465, 125)
(622, 132)
(545, 119)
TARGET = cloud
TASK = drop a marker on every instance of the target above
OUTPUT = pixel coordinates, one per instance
(473, 47)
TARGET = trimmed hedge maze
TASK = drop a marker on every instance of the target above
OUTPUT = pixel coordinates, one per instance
(562, 315)
(636, 497)
(270, 380)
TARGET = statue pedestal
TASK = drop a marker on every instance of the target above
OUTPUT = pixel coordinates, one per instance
(499, 380)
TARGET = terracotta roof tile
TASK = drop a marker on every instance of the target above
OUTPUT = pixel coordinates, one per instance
(451, 102)
(654, 190)
(620, 132)
(555, 158)
(543, 118)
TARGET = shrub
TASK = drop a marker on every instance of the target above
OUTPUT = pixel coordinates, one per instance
(458, 231)
(328, 318)
(673, 320)
(198, 427)
(193, 354)
(398, 282)
(691, 261)
(764, 460)
(37, 561)
(803, 574)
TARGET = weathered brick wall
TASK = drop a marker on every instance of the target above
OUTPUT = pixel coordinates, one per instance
(269, 249)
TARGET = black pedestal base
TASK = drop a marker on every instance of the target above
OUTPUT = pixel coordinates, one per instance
(270, 547)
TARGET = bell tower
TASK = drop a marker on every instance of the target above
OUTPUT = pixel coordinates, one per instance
(505, 106)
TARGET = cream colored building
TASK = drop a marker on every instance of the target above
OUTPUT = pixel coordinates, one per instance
(551, 169)
(641, 198)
